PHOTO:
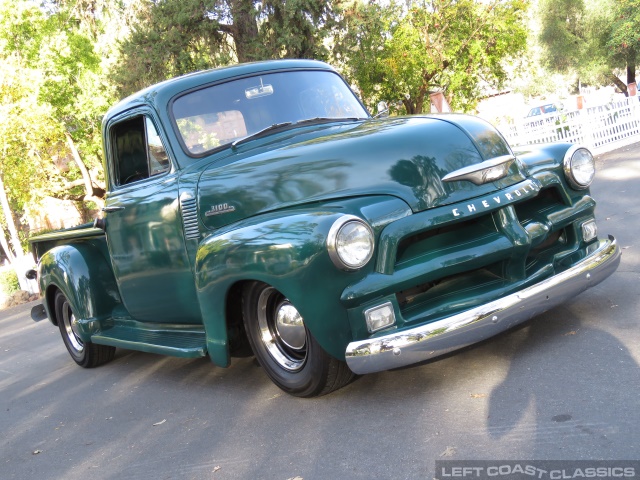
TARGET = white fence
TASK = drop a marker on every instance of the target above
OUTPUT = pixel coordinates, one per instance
(601, 128)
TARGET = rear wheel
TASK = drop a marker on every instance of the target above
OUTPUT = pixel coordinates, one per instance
(84, 353)
(285, 348)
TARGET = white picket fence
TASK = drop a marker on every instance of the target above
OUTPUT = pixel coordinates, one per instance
(601, 129)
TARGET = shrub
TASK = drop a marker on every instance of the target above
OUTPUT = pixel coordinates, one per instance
(9, 281)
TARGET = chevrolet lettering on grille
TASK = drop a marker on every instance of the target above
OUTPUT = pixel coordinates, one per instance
(497, 200)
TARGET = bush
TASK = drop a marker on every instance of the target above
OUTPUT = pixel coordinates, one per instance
(9, 281)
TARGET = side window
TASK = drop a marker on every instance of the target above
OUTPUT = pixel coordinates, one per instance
(139, 153)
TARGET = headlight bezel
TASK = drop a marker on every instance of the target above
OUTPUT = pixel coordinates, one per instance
(568, 166)
(332, 243)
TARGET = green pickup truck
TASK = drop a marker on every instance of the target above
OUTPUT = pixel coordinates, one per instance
(260, 209)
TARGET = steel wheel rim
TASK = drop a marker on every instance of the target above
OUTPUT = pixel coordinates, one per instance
(280, 330)
(71, 329)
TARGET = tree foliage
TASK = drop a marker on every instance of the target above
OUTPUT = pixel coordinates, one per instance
(591, 39)
(407, 50)
(173, 37)
(624, 37)
(31, 134)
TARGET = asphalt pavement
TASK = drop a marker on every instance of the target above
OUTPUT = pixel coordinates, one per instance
(563, 386)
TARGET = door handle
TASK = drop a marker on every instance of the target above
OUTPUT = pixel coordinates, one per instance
(112, 209)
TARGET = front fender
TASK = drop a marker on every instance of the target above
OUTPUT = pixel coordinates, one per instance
(84, 276)
(286, 250)
(538, 158)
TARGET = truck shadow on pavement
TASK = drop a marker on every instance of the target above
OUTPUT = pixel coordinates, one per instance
(581, 390)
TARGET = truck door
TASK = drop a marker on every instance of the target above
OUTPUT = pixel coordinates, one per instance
(143, 224)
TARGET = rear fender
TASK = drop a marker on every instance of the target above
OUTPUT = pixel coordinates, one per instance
(83, 275)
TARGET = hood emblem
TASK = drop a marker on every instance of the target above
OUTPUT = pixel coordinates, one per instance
(485, 172)
(220, 209)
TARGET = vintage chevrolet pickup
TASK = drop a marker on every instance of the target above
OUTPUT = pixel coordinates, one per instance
(260, 209)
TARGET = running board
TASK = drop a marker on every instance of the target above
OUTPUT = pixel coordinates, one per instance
(187, 343)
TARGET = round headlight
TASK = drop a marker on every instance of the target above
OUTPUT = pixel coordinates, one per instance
(579, 167)
(350, 243)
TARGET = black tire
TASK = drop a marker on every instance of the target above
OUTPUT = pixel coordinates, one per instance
(292, 358)
(84, 353)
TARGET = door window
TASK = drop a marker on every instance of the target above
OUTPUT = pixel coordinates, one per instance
(139, 153)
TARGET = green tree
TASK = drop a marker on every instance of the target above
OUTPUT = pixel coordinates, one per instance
(407, 50)
(31, 137)
(624, 36)
(54, 89)
(591, 39)
(174, 37)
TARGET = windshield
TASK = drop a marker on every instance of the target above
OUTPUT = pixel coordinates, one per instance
(221, 114)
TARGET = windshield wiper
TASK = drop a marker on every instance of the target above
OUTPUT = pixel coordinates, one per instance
(259, 133)
(327, 119)
(308, 121)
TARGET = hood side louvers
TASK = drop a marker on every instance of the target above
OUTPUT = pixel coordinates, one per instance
(189, 218)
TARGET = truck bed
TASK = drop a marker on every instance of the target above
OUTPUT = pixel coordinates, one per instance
(42, 243)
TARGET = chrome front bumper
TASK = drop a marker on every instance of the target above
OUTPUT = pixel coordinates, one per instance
(437, 338)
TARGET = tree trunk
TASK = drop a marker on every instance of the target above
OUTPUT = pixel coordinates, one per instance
(631, 66)
(88, 186)
(245, 29)
(409, 106)
(619, 83)
(420, 103)
(5, 246)
(11, 226)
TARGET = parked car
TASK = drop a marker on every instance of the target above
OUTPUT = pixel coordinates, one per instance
(261, 209)
(544, 110)
(544, 116)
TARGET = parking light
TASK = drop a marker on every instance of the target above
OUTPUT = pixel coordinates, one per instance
(380, 317)
(589, 230)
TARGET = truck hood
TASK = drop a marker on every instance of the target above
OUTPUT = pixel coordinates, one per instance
(403, 157)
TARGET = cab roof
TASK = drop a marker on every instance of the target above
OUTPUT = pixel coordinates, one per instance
(161, 93)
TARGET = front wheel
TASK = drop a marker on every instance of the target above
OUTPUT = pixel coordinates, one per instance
(285, 348)
(84, 353)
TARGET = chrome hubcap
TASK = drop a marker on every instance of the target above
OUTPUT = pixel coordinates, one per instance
(71, 328)
(290, 327)
(282, 330)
